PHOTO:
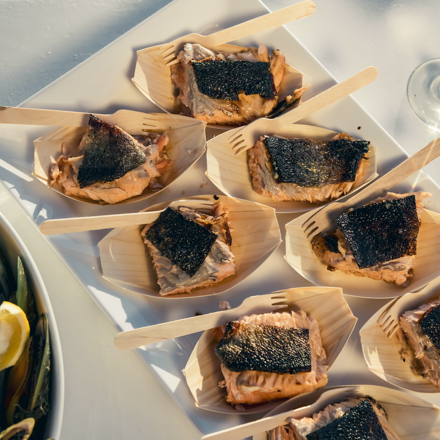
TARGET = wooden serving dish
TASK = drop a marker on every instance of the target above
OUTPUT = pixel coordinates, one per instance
(255, 235)
(383, 359)
(411, 417)
(300, 256)
(153, 77)
(326, 304)
(230, 173)
(187, 144)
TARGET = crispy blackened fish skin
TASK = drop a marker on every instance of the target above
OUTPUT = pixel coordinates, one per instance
(109, 153)
(184, 242)
(359, 423)
(383, 231)
(226, 79)
(265, 348)
(310, 163)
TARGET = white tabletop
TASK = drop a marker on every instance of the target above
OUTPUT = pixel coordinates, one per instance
(110, 394)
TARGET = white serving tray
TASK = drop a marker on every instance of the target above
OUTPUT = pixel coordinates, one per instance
(82, 90)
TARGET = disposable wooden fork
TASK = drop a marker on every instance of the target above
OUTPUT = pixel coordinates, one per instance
(244, 138)
(80, 224)
(259, 24)
(168, 330)
(324, 219)
(389, 321)
(132, 121)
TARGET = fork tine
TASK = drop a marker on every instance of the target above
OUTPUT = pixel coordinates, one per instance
(171, 63)
(389, 326)
(153, 123)
(393, 331)
(382, 316)
(313, 232)
(237, 144)
(170, 57)
(234, 137)
(385, 313)
(306, 225)
(236, 147)
(279, 296)
(240, 150)
(166, 48)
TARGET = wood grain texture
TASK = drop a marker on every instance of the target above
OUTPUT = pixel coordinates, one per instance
(402, 410)
(383, 359)
(326, 304)
(153, 77)
(325, 219)
(255, 235)
(187, 143)
(244, 138)
(300, 256)
(174, 329)
(230, 173)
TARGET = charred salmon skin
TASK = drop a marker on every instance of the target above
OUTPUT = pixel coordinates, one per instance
(353, 419)
(378, 240)
(271, 356)
(190, 249)
(230, 88)
(112, 166)
(304, 169)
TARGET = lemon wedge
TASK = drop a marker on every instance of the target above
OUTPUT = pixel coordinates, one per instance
(14, 333)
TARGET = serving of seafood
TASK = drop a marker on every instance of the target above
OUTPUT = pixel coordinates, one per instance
(190, 248)
(419, 334)
(271, 356)
(356, 418)
(202, 245)
(252, 361)
(304, 169)
(227, 88)
(277, 147)
(377, 241)
(113, 165)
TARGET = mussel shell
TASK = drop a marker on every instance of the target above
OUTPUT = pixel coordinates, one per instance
(39, 402)
(37, 378)
(25, 298)
(20, 431)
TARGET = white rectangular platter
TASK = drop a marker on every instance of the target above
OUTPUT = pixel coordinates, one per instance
(82, 89)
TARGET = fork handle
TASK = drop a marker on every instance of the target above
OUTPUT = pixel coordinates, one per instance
(399, 173)
(329, 96)
(169, 330)
(81, 224)
(34, 116)
(259, 24)
(250, 429)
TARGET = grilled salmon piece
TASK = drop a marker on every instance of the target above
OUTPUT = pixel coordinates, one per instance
(419, 334)
(353, 419)
(305, 170)
(113, 165)
(190, 249)
(230, 88)
(382, 239)
(281, 355)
